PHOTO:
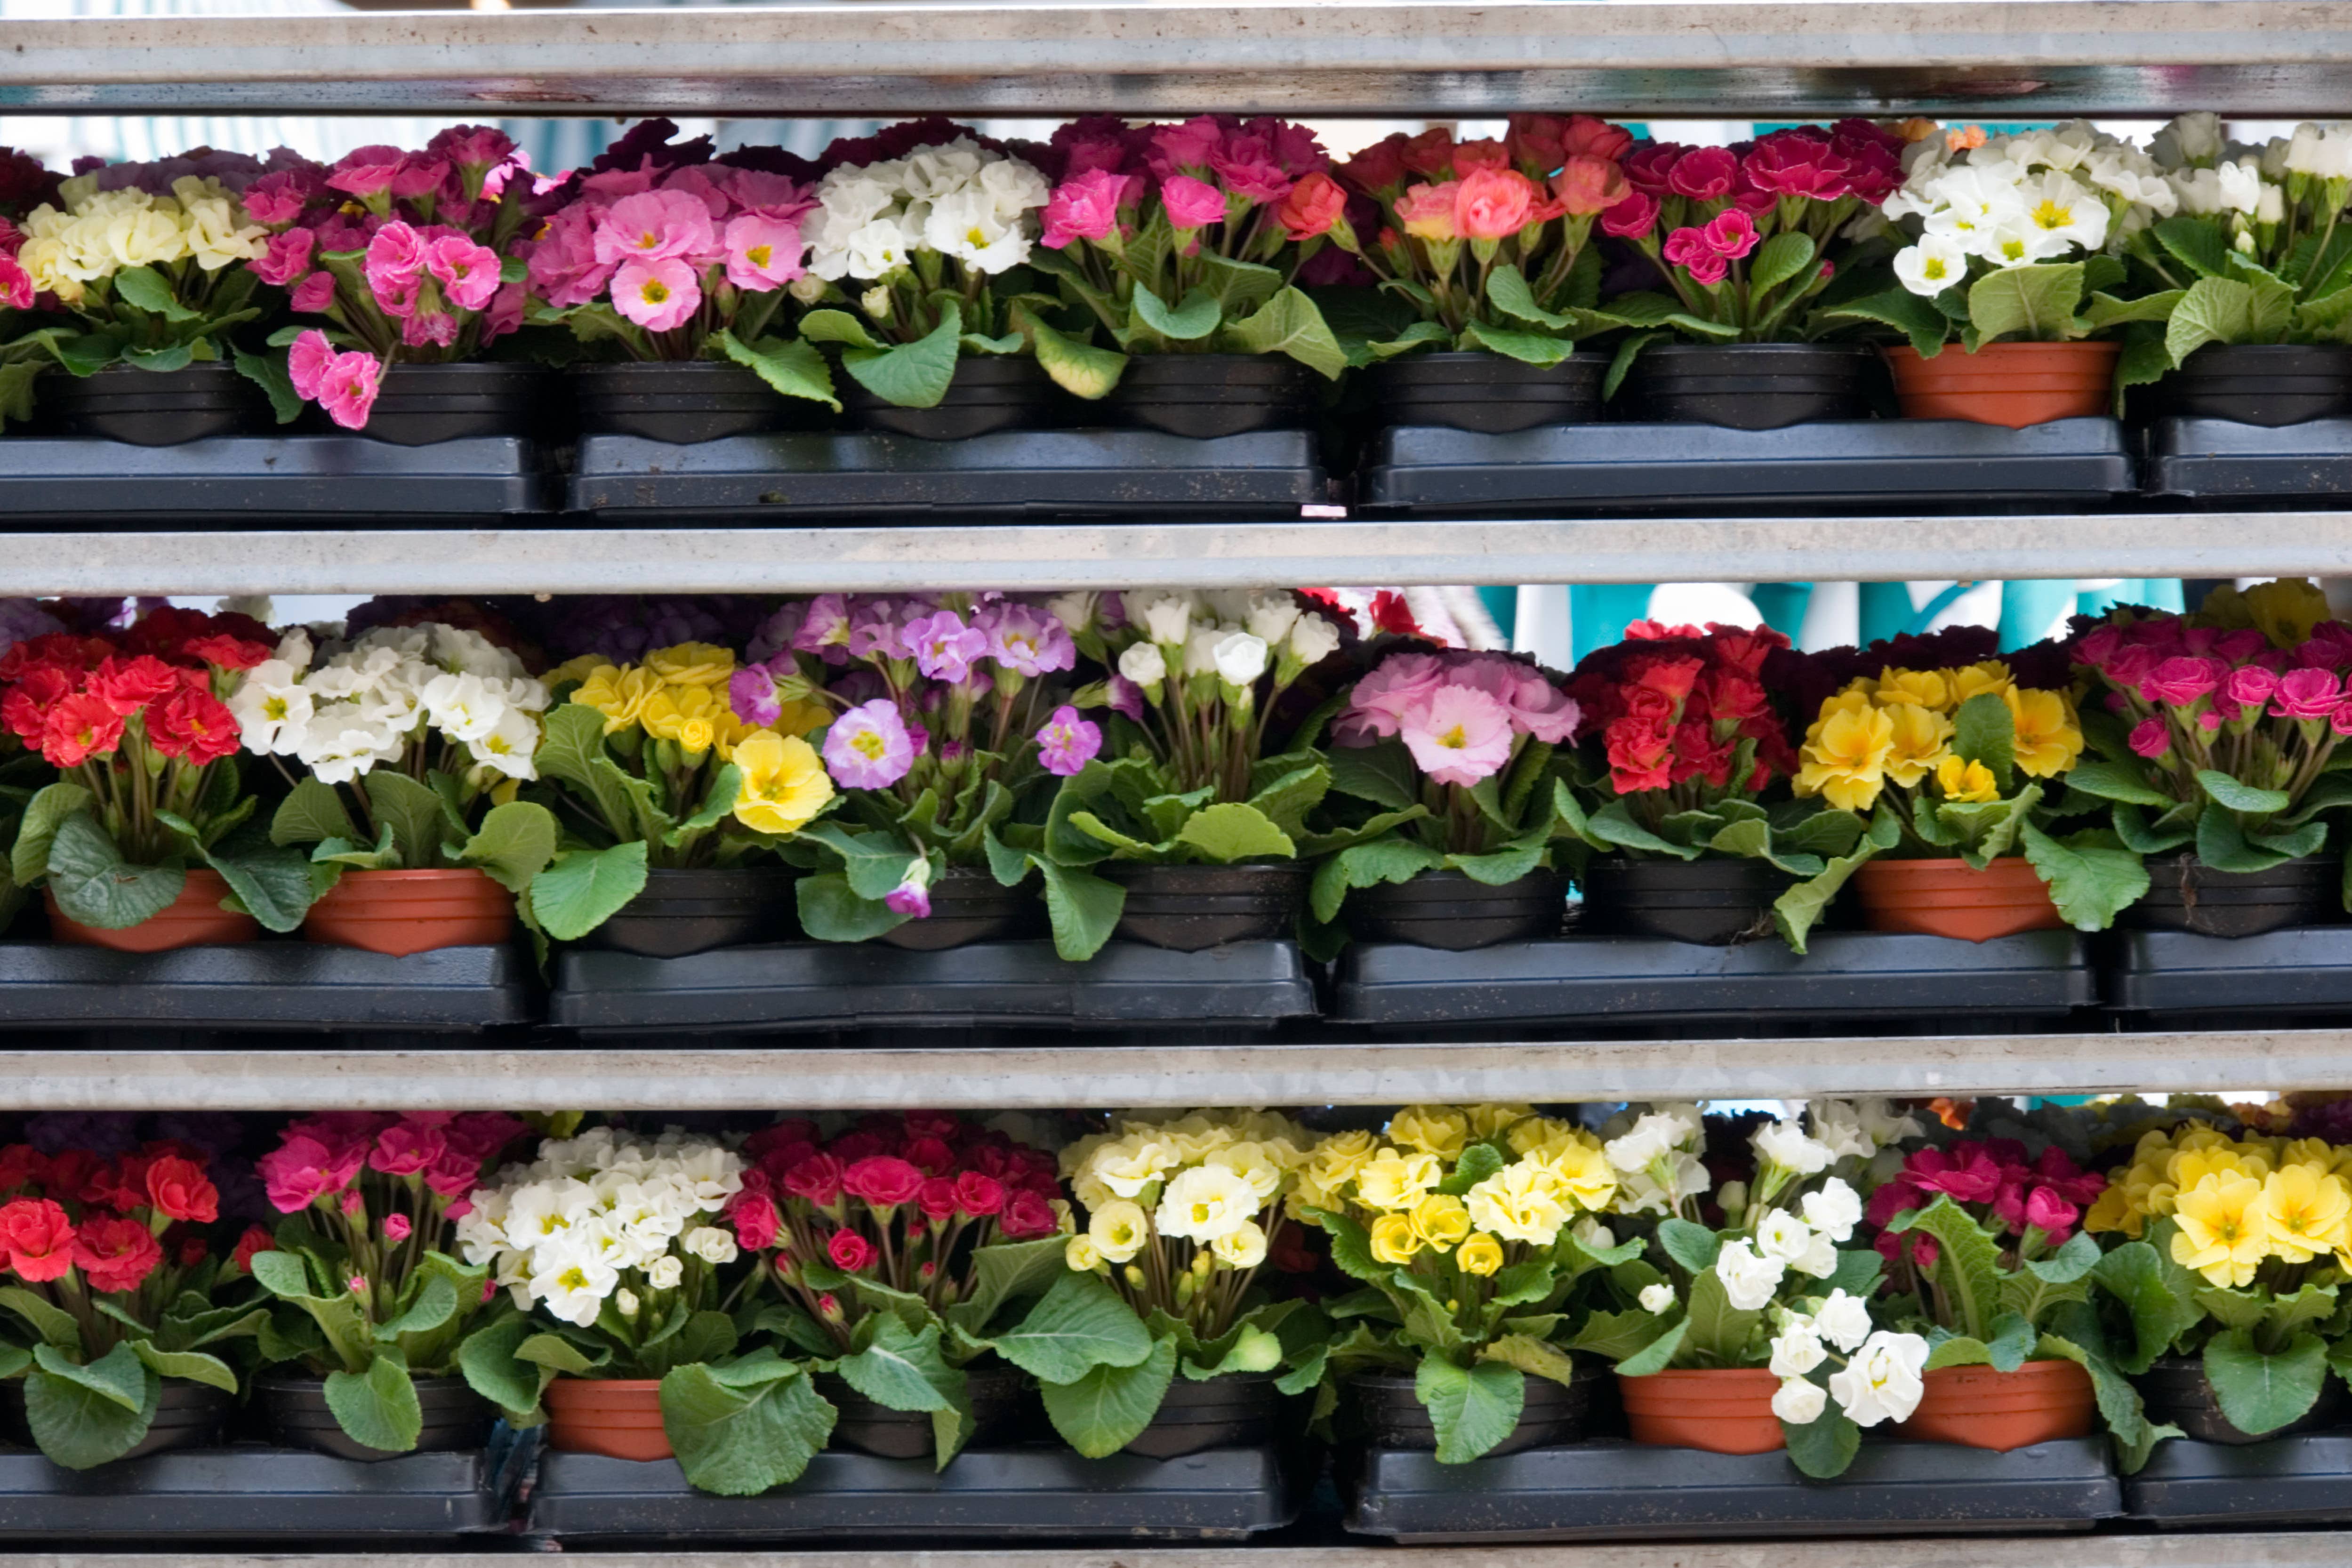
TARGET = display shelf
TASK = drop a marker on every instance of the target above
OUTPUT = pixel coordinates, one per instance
(1771, 58)
(2288, 1549)
(666, 1076)
(1047, 557)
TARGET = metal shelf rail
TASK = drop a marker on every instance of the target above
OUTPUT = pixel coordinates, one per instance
(1773, 59)
(1051, 557)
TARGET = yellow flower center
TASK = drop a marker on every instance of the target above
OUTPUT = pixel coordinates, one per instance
(1935, 269)
(1453, 740)
(655, 292)
(869, 745)
(2051, 216)
(648, 240)
(973, 236)
(758, 255)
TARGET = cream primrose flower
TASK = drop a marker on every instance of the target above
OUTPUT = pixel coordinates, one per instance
(1313, 639)
(1119, 1230)
(1131, 1164)
(1593, 1235)
(664, 1273)
(1391, 1180)
(1241, 1247)
(1524, 1201)
(1882, 1383)
(1204, 1204)
(1783, 1236)
(1167, 618)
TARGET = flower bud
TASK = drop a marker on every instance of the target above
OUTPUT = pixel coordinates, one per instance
(1136, 1278)
(876, 303)
(626, 1300)
(1733, 1197)
(828, 1308)
(1186, 1289)
(807, 289)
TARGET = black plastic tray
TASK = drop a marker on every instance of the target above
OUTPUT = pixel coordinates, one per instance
(263, 986)
(1631, 980)
(1012, 473)
(346, 477)
(1012, 1494)
(250, 1492)
(2305, 1479)
(2223, 460)
(2180, 974)
(1429, 471)
(1607, 1488)
(797, 986)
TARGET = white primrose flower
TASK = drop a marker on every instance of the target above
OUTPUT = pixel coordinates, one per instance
(1799, 1402)
(1240, 658)
(1818, 1259)
(1785, 1145)
(1749, 1280)
(573, 1287)
(1882, 1383)
(1271, 617)
(510, 746)
(1843, 1321)
(1313, 639)
(1167, 619)
(1932, 265)
(1657, 1300)
(1591, 1235)
(664, 1273)
(710, 1243)
(1205, 1202)
(1143, 664)
(1783, 1236)
(1834, 1210)
(2187, 139)
(1797, 1348)
(1201, 650)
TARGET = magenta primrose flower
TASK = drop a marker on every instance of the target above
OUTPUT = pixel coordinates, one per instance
(1067, 743)
(1191, 203)
(868, 747)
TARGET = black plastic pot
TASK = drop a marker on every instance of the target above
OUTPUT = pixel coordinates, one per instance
(1753, 387)
(968, 906)
(188, 1416)
(1448, 910)
(1000, 1409)
(1189, 908)
(1390, 1415)
(155, 408)
(1487, 391)
(1716, 902)
(684, 402)
(988, 392)
(2260, 384)
(2175, 1390)
(418, 405)
(693, 911)
(293, 1407)
(1205, 396)
(2184, 894)
(1236, 1411)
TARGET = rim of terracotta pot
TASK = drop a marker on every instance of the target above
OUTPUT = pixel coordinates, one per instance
(1995, 353)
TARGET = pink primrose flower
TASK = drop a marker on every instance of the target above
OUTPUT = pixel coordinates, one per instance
(277, 199)
(347, 388)
(1066, 742)
(307, 361)
(1248, 167)
(1191, 203)
(868, 747)
(2306, 694)
(395, 1228)
(429, 329)
(656, 295)
(420, 176)
(1086, 206)
(2151, 737)
(405, 1148)
(2182, 680)
(1376, 706)
(1707, 270)
(1631, 218)
(654, 225)
(286, 258)
(1026, 640)
(751, 693)
(1730, 233)
(314, 294)
(944, 646)
(365, 171)
(1457, 734)
(762, 253)
(912, 896)
(394, 268)
(1174, 149)
(15, 284)
(467, 273)
(563, 266)
(297, 1174)
(1493, 203)
(1703, 173)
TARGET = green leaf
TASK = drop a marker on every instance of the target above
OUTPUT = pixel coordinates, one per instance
(1659, 1353)
(1614, 823)
(1915, 317)
(29, 860)
(1507, 291)
(1382, 773)
(1078, 1325)
(1473, 1408)
(1614, 1336)
(1777, 259)
(2035, 302)
(269, 373)
(145, 288)
(2090, 882)
(83, 1417)
(420, 820)
(1365, 865)
(1715, 1330)
(1082, 908)
(312, 812)
(2223, 846)
(2195, 242)
(557, 1354)
(1475, 1164)
(1825, 1445)
(1796, 911)
(55, 1326)
(2261, 1392)
(1078, 368)
(2157, 1293)
(1532, 1356)
(434, 1305)
(1288, 324)
(1108, 1406)
(273, 882)
(841, 327)
(94, 885)
(2239, 796)
(909, 376)
(378, 1407)
(1008, 1271)
(1689, 1244)
(586, 888)
(1968, 1267)
(514, 844)
(1528, 348)
(2111, 780)
(740, 1430)
(1229, 831)
(790, 367)
(1195, 318)
(2213, 311)
(486, 1359)
(189, 1366)
(1983, 732)
(905, 1370)
(831, 911)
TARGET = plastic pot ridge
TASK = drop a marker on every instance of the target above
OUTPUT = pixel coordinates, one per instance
(195, 919)
(1951, 897)
(402, 912)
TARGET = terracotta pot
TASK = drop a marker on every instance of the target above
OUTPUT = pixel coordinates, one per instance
(620, 1419)
(195, 919)
(2041, 1402)
(1947, 897)
(1722, 1410)
(2014, 385)
(401, 912)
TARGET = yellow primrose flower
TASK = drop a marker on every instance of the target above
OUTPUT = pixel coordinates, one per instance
(1860, 686)
(1924, 688)
(1439, 1130)
(2304, 1212)
(1393, 1240)
(1492, 1120)
(2048, 740)
(692, 664)
(2284, 610)
(1544, 1136)
(801, 718)
(2224, 1233)
(2112, 1210)
(1845, 752)
(1439, 1220)
(1481, 1254)
(1118, 1229)
(1080, 1257)
(1521, 1202)
(618, 692)
(1966, 781)
(1583, 1172)
(1976, 679)
(1392, 1180)
(576, 669)
(784, 783)
(1920, 736)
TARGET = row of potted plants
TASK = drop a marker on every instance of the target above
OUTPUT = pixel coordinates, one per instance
(1201, 277)
(914, 1285)
(1179, 769)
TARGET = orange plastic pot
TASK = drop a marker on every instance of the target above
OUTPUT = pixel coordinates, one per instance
(1722, 1410)
(621, 1419)
(2014, 385)
(2041, 1402)
(1947, 897)
(401, 912)
(195, 919)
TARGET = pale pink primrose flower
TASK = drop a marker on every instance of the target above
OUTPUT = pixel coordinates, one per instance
(1382, 697)
(1457, 735)
(868, 747)
(1066, 742)
(912, 896)
(944, 646)
(654, 225)
(762, 253)
(656, 295)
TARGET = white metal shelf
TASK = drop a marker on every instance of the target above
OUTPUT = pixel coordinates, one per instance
(1048, 556)
(1998, 58)
(679, 1074)
(2286, 1549)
